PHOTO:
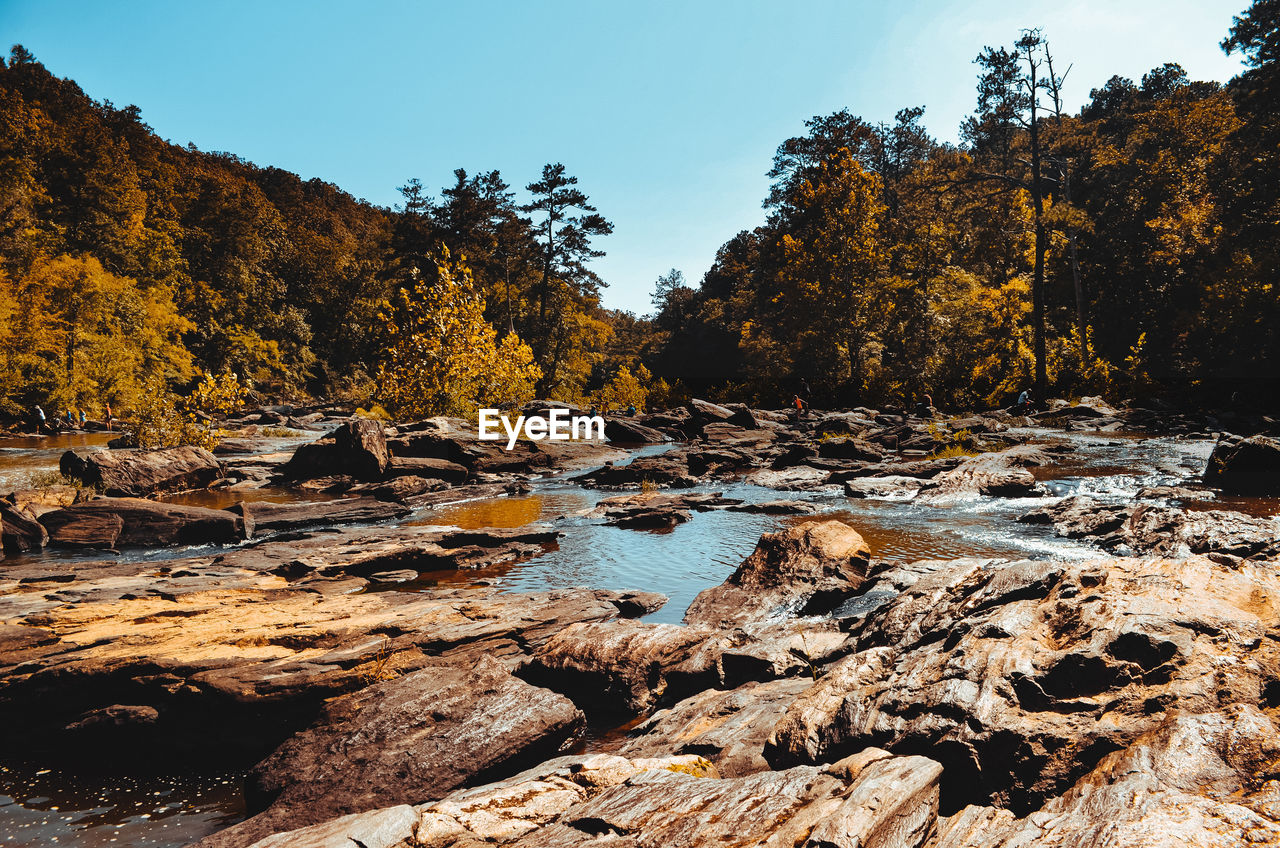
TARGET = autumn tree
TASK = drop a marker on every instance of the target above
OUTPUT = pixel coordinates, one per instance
(442, 357)
(84, 337)
(1009, 91)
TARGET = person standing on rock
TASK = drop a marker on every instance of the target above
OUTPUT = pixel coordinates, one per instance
(41, 421)
(801, 406)
(1024, 402)
(108, 405)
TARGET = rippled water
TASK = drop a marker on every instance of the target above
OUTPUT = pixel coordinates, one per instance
(40, 807)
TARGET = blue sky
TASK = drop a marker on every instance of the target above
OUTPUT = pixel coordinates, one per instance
(668, 112)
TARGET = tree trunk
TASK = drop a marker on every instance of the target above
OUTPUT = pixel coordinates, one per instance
(1082, 326)
(1037, 281)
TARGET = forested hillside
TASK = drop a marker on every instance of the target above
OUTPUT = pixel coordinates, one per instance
(1130, 248)
(892, 266)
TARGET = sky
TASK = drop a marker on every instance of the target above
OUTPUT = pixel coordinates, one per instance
(668, 112)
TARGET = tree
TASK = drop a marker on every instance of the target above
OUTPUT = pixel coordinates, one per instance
(569, 222)
(1009, 91)
(829, 296)
(442, 357)
(85, 337)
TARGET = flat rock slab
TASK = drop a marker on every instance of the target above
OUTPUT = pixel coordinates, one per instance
(406, 740)
(656, 510)
(134, 472)
(1168, 531)
(230, 648)
(776, 508)
(262, 518)
(427, 467)
(112, 522)
(390, 827)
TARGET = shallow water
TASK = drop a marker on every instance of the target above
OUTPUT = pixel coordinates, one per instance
(40, 807)
(24, 456)
(52, 808)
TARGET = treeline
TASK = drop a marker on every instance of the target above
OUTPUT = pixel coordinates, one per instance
(124, 258)
(1129, 249)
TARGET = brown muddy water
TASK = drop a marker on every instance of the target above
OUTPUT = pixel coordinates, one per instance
(43, 807)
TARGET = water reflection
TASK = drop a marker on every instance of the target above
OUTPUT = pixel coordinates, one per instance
(514, 511)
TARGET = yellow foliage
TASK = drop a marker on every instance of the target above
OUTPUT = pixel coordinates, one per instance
(85, 337)
(626, 389)
(223, 394)
(158, 421)
(442, 357)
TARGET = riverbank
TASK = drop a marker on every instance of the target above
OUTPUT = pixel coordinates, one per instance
(222, 652)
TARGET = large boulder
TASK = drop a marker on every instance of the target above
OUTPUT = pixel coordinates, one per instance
(1245, 466)
(728, 727)
(625, 666)
(1207, 781)
(850, 449)
(357, 449)
(1021, 676)
(707, 411)
(108, 522)
(135, 473)
(808, 568)
(407, 740)
(20, 532)
(1002, 474)
(629, 431)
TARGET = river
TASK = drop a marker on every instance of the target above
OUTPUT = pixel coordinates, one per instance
(41, 806)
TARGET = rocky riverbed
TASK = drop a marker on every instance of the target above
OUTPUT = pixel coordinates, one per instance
(857, 628)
